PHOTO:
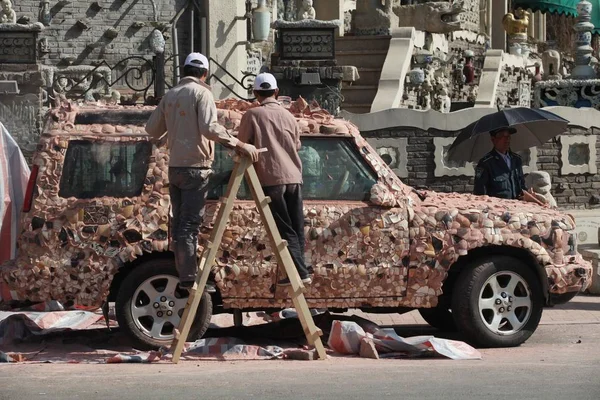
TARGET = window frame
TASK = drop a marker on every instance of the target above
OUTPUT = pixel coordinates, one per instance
(113, 144)
(348, 146)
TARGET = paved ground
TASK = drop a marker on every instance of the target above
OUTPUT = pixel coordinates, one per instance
(560, 361)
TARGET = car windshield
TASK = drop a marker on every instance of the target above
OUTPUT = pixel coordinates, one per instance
(331, 170)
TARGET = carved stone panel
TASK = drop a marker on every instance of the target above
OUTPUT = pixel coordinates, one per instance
(393, 152)
(445, 167)
(307, 44)
(18, 47)
(19, 114)
(578, 154)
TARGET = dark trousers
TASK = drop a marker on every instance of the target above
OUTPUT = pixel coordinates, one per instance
(188, 188)
(288, 211)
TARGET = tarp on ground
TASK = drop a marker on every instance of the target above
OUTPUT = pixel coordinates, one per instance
(14, 174)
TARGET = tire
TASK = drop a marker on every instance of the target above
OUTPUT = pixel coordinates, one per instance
(439, 317)
(481, 286)
(155, 284)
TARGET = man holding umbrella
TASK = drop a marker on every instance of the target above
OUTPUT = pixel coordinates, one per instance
(500, 172)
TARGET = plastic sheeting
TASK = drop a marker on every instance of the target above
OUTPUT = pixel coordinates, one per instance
(14, 174)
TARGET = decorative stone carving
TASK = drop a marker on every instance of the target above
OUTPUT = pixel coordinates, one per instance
(307, 11)
(44, 47)
(7, 14)
(517, 23)
(445, 167)
(45, 17)
(307, 39)
(568, 92)
(524, 94)
(393, 152)
(578, 154)
(157, 42)
(551, 62)
(433, 17)
(19, 43)
(371, 17)
(541, 184)
(583, 49)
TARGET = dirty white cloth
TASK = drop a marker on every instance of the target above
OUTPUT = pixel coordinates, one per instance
(14, 174)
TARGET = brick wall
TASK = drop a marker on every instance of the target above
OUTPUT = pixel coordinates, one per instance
(569, 190)
(84, 42)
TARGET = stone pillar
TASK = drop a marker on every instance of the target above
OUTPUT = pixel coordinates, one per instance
(540, 26)
(532, 25)
(330, 10)
(499, 9)
(583, 42)
(489, 19)
(227, 46)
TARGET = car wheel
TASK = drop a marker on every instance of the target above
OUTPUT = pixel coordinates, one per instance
(150, 304)
(439, 317)
(497, 302)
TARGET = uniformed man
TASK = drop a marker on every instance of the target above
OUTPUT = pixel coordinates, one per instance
(500, 172)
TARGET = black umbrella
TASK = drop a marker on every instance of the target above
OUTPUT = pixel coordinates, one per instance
(532, 127)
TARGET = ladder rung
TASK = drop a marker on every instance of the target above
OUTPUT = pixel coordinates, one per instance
(223, 200)
(282, 245)
(267, 200)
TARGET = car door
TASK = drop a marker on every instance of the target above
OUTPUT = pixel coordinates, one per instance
(352, 245)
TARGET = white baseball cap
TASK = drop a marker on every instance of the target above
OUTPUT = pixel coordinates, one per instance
(197, 60)
(265, 81)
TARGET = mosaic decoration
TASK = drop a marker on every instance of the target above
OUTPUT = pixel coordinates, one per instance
(392, 251)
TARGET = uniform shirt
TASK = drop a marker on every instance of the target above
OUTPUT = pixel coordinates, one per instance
(495, 177)
(273, 127)
(188, 112)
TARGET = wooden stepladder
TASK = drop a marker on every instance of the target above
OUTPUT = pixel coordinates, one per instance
(243, 166)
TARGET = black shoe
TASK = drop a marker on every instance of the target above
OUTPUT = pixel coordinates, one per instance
(187, 285)
(286, 281)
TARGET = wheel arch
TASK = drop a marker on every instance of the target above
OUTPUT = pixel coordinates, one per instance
(486, 251)
(129, 266)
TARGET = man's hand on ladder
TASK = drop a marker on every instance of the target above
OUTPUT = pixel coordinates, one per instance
(249, 150)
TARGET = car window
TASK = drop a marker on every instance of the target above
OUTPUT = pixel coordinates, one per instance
(331, 170)
(115, 169)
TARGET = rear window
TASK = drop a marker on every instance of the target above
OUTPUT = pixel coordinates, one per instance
(115, 169)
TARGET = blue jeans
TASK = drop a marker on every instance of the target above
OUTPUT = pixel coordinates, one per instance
(188, 188)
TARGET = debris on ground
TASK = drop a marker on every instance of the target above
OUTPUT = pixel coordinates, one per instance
(82, 337)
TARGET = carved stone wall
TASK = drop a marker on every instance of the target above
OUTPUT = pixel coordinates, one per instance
(471, 16)
(568, 92)
(20, 116)
(570, 161)
(79, 32)
(514, 88)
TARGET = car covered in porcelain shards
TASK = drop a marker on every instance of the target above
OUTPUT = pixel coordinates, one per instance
(95, 228)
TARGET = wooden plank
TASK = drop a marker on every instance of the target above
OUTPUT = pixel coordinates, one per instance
(207, 260)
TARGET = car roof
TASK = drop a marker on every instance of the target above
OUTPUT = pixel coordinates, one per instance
(130, 120)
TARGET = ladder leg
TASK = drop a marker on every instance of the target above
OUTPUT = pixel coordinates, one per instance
(207, 259)
(284, 259)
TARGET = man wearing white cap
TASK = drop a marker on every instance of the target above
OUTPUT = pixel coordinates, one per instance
(189, 114)
(279, 170)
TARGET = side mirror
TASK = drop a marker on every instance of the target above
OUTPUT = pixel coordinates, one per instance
(382, 196)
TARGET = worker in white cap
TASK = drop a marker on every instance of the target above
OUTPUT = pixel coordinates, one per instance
(279, 169)
(189, 114)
